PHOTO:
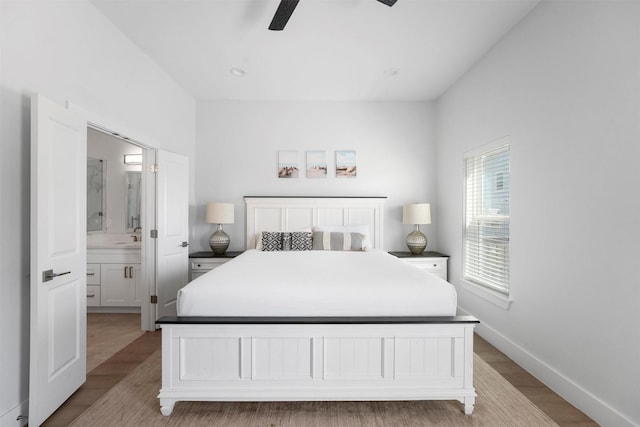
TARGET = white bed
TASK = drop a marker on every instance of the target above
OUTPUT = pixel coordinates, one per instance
(320, 328)
(317, 283)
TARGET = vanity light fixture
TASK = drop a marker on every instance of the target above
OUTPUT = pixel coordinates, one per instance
(133, 159)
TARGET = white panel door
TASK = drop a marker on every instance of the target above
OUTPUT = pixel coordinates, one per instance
(58, 257)
(138, 286)
(172, 262)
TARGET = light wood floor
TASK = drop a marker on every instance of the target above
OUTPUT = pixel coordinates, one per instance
(109, 333)
(115, 355)
(558, 409)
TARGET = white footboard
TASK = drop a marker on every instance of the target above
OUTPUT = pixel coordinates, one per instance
(261, 361)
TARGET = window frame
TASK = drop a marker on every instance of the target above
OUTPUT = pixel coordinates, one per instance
(499, 295)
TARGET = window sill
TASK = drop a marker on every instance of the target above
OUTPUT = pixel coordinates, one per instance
(495, 298)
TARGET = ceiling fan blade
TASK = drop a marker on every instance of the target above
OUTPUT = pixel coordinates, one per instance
(283, 13)
(388, 2)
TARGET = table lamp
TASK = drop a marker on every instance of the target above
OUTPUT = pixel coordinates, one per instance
(416, 214)
(219, 213)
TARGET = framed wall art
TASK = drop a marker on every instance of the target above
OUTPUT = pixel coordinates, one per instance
(346, 166)
(288, 164)
(316, 164)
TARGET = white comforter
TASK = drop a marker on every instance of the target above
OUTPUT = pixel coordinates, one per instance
(317, 283)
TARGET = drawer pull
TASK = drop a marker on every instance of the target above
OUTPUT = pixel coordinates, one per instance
(91, 295)
(91, 274)
(435, 265)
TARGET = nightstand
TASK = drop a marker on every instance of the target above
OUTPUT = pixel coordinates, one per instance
(434, 262)
(201, 262)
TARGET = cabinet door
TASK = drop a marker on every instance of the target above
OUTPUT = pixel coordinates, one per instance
(117, 289)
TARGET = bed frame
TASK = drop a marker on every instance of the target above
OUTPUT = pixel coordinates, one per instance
(316, 358)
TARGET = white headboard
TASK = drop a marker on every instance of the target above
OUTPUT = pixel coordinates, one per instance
(299, 213)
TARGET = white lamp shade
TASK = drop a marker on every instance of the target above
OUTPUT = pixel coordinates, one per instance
(220, 213)
(419, 213)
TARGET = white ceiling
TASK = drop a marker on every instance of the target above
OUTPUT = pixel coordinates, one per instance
(330, 49)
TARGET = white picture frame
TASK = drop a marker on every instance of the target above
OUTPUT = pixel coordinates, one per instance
(346, 165)
(316, 164)
(288, 164)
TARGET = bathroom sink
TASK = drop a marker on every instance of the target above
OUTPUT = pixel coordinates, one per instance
(106, 245)
(128, 244)
(106, 241)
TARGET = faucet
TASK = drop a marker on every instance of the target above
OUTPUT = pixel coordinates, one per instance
(135, 237)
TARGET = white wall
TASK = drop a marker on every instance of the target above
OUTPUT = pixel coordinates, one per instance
(66, 51)
(565, 86)
(237, 151)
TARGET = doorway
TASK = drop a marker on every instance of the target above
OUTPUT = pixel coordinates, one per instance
(120, 201)
(58, 231)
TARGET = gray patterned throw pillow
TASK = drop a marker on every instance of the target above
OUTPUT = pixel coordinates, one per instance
(271, 241)
(301, 241)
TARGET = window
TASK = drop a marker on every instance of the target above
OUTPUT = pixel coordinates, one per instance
(486, 216)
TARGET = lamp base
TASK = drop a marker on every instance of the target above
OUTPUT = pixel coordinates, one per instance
(219, 241)
(416, 241)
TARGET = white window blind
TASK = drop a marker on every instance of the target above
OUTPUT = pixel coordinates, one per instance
(487, 218)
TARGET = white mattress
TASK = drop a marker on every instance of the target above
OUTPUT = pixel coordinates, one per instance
(317, 283)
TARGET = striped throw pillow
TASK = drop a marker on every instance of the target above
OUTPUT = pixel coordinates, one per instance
(335, 241)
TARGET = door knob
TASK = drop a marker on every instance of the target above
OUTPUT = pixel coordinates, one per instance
(184, 244)
(48, 275)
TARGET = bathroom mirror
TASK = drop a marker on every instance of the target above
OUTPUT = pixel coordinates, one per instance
(133, 187)
(95, 194)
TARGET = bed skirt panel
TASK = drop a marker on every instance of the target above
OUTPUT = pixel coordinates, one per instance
(289, 362)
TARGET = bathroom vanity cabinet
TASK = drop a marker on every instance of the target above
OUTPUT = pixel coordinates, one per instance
(114, 277)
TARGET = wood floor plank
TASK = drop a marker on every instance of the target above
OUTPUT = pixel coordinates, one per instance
(108, 333)
(117, 355)
(558, 409)
(124, 358)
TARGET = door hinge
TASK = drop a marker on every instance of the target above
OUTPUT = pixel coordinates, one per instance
(154, 234)
(154, 299)
(154, 168)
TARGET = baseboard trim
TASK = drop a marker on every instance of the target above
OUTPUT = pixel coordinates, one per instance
(10, 418)
(594, 407)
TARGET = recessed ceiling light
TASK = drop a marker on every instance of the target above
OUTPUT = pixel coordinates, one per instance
(239, 72)
(391, 72)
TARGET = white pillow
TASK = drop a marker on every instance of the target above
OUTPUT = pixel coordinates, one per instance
(358, 228)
